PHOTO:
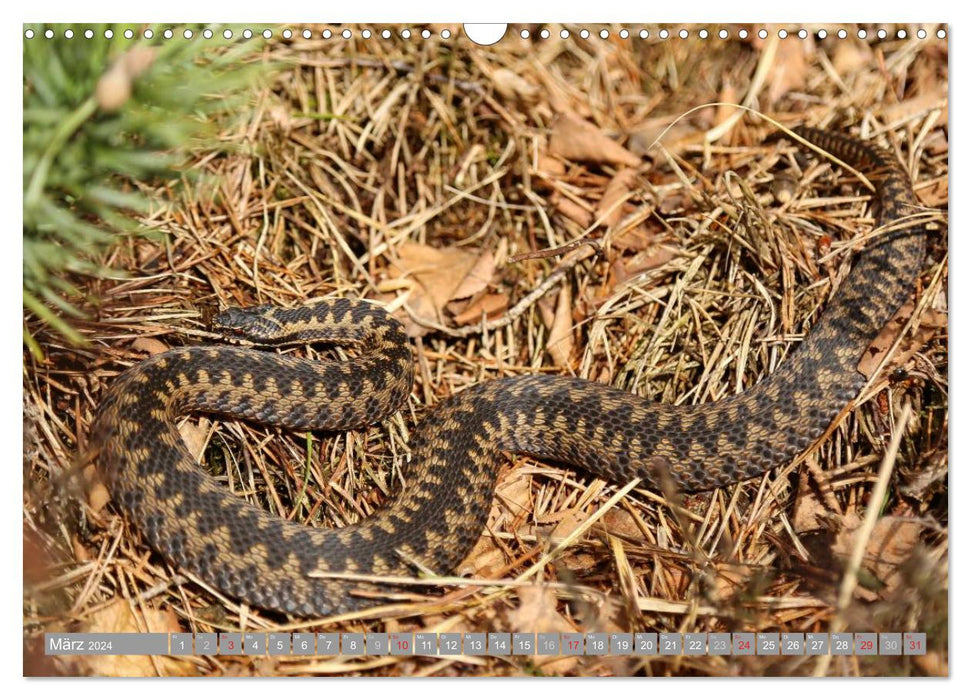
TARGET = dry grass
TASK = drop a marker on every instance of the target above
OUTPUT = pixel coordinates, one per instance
(723, 255)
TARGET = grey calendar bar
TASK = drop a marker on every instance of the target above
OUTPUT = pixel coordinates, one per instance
(105, 644)
(496, 643)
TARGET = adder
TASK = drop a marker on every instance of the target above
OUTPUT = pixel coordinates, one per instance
(272, 563)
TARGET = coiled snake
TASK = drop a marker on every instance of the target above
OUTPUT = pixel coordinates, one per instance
(272, 563)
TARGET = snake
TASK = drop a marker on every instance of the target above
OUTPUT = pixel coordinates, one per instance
(460, 446)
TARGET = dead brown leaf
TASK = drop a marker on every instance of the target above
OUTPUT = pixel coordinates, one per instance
(890, 544)
(515, 494)
(649, 259)
(664, 131)
(537, 612)
(568, 522)
(637, 238)
(580, 561)
(119, 616)
(195, 435)
(815, 508)
(931, 322)
(620, 522)
(549, 166)
(610, 210)
(578, 140)
(489, 305)
(938, 194)
(98, 494)
(511, 85)
(435, 274)
(850, 56)
(571, 210)
(513, 499)
(730, 579)
(789, 70)
(477, 278)
(150, 346)
(809, 512)
(609, 612)
(484, 560)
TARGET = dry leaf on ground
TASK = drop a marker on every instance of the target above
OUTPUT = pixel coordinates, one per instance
(730, 580)
(789, 70)
(537, 611)
(567, 523)
(575, 139)
(809, 512)
(666, 131)
(515, 495)
(890, 544)
(485, 559)
(97, 492)
(195, 434)
(151, 346)
(613, 208)
(560, 343)
(478, 277)
(850, 56)
(572, 210)
(512, 85)
(618, 521)
(118, 616)
(636, 238)
(610, 210)
(436, 274)
(918, 106)
(930, 323)
(623, 269)
(489, 305)
(548, 166)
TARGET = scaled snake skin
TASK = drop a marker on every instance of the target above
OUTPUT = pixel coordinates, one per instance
(272, 563)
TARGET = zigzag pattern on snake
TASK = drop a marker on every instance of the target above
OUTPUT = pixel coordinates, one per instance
(272, 563)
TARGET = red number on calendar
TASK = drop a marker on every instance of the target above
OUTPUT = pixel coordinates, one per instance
(866, 645)
(744, 644)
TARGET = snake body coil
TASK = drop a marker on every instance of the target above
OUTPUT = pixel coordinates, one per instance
(273, 563)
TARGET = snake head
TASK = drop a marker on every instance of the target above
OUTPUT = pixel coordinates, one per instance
(256, 324)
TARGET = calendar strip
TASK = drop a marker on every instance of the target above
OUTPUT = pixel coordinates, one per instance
(490, 644)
